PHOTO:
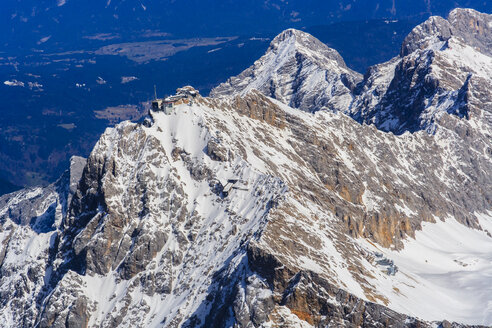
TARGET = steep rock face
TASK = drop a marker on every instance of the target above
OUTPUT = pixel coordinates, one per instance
(265, 293)
(103, 199)
(444, 68)
(473, 27)
(299, 71)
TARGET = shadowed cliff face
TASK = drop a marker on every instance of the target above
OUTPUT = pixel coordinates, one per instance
(443, 68)
(240, 210)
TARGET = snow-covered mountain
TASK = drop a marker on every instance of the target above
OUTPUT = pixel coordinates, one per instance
(444, 66)
(240, 210)
(300, 71)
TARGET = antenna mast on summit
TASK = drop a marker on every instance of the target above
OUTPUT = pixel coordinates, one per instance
(155, 93)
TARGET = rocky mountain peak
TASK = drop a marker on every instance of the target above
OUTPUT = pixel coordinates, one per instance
(302, 42)
(298, 70)
(470, 26)
(473, 27)
(434, 30)
(441, 62)
(443, 69)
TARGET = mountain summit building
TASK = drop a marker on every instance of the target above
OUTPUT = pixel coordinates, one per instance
(184, 95)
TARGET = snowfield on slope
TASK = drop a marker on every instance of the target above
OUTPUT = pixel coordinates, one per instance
(445, 272)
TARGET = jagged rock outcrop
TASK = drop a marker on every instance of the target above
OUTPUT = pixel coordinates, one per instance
(28, 228)
(444, 68)
(299, 70)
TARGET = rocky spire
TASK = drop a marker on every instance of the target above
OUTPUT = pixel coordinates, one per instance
(444, 68)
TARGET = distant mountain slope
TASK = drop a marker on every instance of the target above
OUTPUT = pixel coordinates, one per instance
(445, 66)
(300, 71)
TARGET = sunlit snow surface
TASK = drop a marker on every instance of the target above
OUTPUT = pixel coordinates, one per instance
(446, 272)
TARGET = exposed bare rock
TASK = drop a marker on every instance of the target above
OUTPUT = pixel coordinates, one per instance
(257, 106)
(216, 151)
